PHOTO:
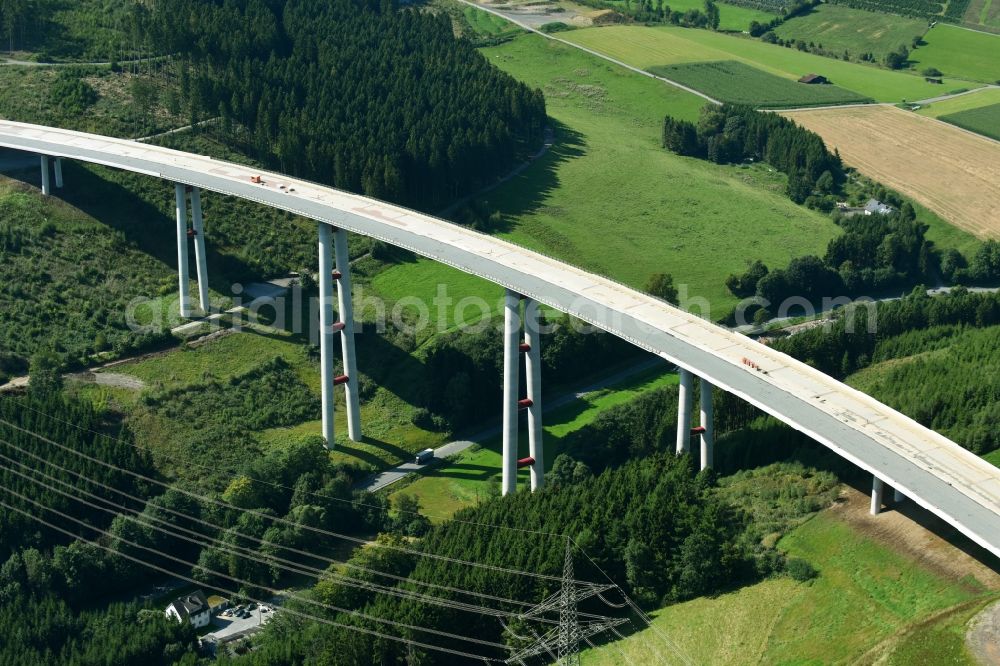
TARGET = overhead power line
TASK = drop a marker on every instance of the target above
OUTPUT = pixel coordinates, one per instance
(228, 592)
(260, 514)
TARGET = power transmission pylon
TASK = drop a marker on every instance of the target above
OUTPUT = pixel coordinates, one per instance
(568, 646)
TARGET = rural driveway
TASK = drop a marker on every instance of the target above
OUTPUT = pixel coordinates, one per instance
(387, 478)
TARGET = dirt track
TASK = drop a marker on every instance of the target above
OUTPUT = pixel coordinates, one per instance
(951, 171)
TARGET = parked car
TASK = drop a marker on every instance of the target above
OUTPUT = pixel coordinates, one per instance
(251, 606)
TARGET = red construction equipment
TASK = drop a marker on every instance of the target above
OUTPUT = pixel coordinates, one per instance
(256, 180)
(524, 348)
(342, 379)
(338, 327)
(192, 233)
(337, 275)
(525, 403)
(698, 430)
(525, 462)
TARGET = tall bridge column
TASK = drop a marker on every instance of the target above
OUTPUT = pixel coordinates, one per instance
(198, 229)
(533, 371)
(59, 175)
(877, 488)
(708, 431)
(182, 249)
(684, 413)
(46, 184)
(511, 385)
(346, 308)
(326, 330)
(897, 496)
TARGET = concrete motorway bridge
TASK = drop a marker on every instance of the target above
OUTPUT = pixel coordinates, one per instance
(916, 462)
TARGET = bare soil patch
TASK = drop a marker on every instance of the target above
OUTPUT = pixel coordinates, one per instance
(951, 171)
(906, 528)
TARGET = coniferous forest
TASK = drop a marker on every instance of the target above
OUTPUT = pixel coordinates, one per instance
(353, 93)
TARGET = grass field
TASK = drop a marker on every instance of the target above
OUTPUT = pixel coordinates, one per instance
(870, 604)
(609, 198)
(731, 17)
(838, 28)
(649, 47)
(960, 53)
(973, 100)
(738, 83)
(954, 173)
(985, 120)
(461, 482)
(487, 24)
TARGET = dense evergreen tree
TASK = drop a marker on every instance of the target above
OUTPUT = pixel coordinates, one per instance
(355, 93)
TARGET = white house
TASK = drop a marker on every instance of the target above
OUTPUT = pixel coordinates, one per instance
(193, 607)
(876, 207)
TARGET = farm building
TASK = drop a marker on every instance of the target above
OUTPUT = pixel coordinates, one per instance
(193, 608)
(876, 207)
(813, 78)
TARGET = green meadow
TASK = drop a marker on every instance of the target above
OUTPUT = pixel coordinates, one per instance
(869, 604)
(607, 197)
(839, 28)
(653, 46)
(985, 120)
(960, 53)
(973, 100)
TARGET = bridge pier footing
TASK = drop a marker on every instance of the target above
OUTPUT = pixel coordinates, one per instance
(511, 385)
(180, 195)
(345, 305)
(533, 374)
(326, 330)
(46, 182)
(878, 487)
(684, 412)
(708, 431)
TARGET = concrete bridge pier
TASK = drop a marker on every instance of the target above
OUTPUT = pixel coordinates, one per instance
(533, 371)
(46, 182)
(511, 385)
(707, 427)
(878, 487)
(59, 174)
(198, 228)
(180, 195)
(346, 308)
(684, 412)
(326, 329)
(897, 496)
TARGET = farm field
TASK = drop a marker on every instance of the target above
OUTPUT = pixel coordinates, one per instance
(954, 173)
(460, 482)
(973, 100)
(609, 198)
(732, 18)
(960, 53)
(873, 602)
(738, 83)
(649, 47)
(839, 28)
(985, 120)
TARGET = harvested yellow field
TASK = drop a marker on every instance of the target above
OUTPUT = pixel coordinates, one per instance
(953, 172)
